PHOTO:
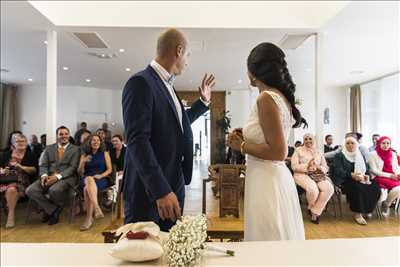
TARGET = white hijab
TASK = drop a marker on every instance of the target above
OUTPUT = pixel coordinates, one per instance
(356, 156)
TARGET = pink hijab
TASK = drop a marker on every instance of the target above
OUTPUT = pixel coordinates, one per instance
(385, 155)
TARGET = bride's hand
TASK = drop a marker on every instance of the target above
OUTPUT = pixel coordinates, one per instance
(239, 132)
(235, 141)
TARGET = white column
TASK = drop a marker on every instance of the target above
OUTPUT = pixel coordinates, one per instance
(319, 88)
(51, 87)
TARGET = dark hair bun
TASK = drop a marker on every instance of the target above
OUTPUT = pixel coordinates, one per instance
(267, 64)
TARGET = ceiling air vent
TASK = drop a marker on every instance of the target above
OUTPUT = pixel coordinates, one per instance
(90, 39)
(103, 55)
(293, 41)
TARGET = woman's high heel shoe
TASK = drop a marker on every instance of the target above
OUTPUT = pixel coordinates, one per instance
(86, 225)
(10, 224)
(98, 214)
(314, 218)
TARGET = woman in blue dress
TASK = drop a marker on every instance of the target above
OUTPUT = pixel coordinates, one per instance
(94, 168)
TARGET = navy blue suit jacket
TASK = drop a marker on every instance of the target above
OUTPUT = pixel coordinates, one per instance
(159, 155)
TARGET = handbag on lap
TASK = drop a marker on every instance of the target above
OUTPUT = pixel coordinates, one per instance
(317, 176)
(9, 176)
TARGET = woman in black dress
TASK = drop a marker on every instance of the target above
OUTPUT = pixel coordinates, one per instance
(349, 172)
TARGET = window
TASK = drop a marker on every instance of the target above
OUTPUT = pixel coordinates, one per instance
(380, 109)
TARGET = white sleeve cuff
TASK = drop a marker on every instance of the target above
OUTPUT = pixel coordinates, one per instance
(205, 102)
(59, 176)
(43, 175)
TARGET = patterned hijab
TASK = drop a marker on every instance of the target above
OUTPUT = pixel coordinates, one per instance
(355, 157)
(385, 155)
(313, 150)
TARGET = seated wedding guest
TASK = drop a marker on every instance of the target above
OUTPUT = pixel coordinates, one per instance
(385, 171)
(349, 171)
(330, 155)
(375, 138)
(84, 138)
(363, 149)
(117, 153)
(43, 141)
(57, 174)
(107, 132)
(328, 146)
(10, 137)
(310, 173)
(95, 168)
(78, 133)
(297, 144)
(17, 166)
(291, 150)
(108, 145)
(35, 146)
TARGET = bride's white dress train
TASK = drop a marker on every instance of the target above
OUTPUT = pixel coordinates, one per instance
(271, 206)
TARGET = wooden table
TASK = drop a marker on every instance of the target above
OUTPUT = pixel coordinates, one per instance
(227, 228)
(333, 252)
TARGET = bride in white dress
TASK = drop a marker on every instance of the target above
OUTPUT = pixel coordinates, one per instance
(271, 206)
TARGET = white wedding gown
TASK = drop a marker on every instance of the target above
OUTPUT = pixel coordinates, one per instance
(271, 205)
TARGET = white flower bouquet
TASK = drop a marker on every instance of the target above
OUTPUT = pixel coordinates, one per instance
(185, 244)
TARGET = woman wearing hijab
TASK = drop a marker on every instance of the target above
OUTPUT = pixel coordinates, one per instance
(310, 168)
(385, 171)
(349, 172)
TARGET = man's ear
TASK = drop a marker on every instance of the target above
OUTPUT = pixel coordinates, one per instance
(180, 50)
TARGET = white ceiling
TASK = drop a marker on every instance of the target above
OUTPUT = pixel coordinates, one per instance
(363, 36)
(191, 14)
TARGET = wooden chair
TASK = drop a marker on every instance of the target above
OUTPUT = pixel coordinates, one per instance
(221, 227)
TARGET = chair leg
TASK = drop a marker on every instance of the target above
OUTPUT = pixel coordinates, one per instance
(396, 206)
(334, 207)
(378, 210)
(28, 211)
(339, 198)
(72, 209)
(113, 205)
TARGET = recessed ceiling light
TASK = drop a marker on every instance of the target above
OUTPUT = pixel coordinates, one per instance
(30, 79)
(121, 50)
(103, 55)
(88, 80)
(45, 42)
(65, 68)
(356, 72)
(128, 69)
(240, 81)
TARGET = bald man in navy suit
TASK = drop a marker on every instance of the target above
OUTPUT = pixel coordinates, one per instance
(159, 155)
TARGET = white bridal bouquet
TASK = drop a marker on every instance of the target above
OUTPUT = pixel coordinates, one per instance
(186, 242)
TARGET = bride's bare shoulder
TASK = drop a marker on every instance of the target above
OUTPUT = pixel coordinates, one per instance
(266, 100)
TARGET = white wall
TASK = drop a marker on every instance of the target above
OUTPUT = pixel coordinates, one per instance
(301, 63)
(238, 103)
(72, 102)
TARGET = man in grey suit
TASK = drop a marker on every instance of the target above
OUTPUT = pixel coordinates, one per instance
(57, 173)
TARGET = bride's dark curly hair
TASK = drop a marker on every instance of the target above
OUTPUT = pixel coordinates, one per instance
(267, 64)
